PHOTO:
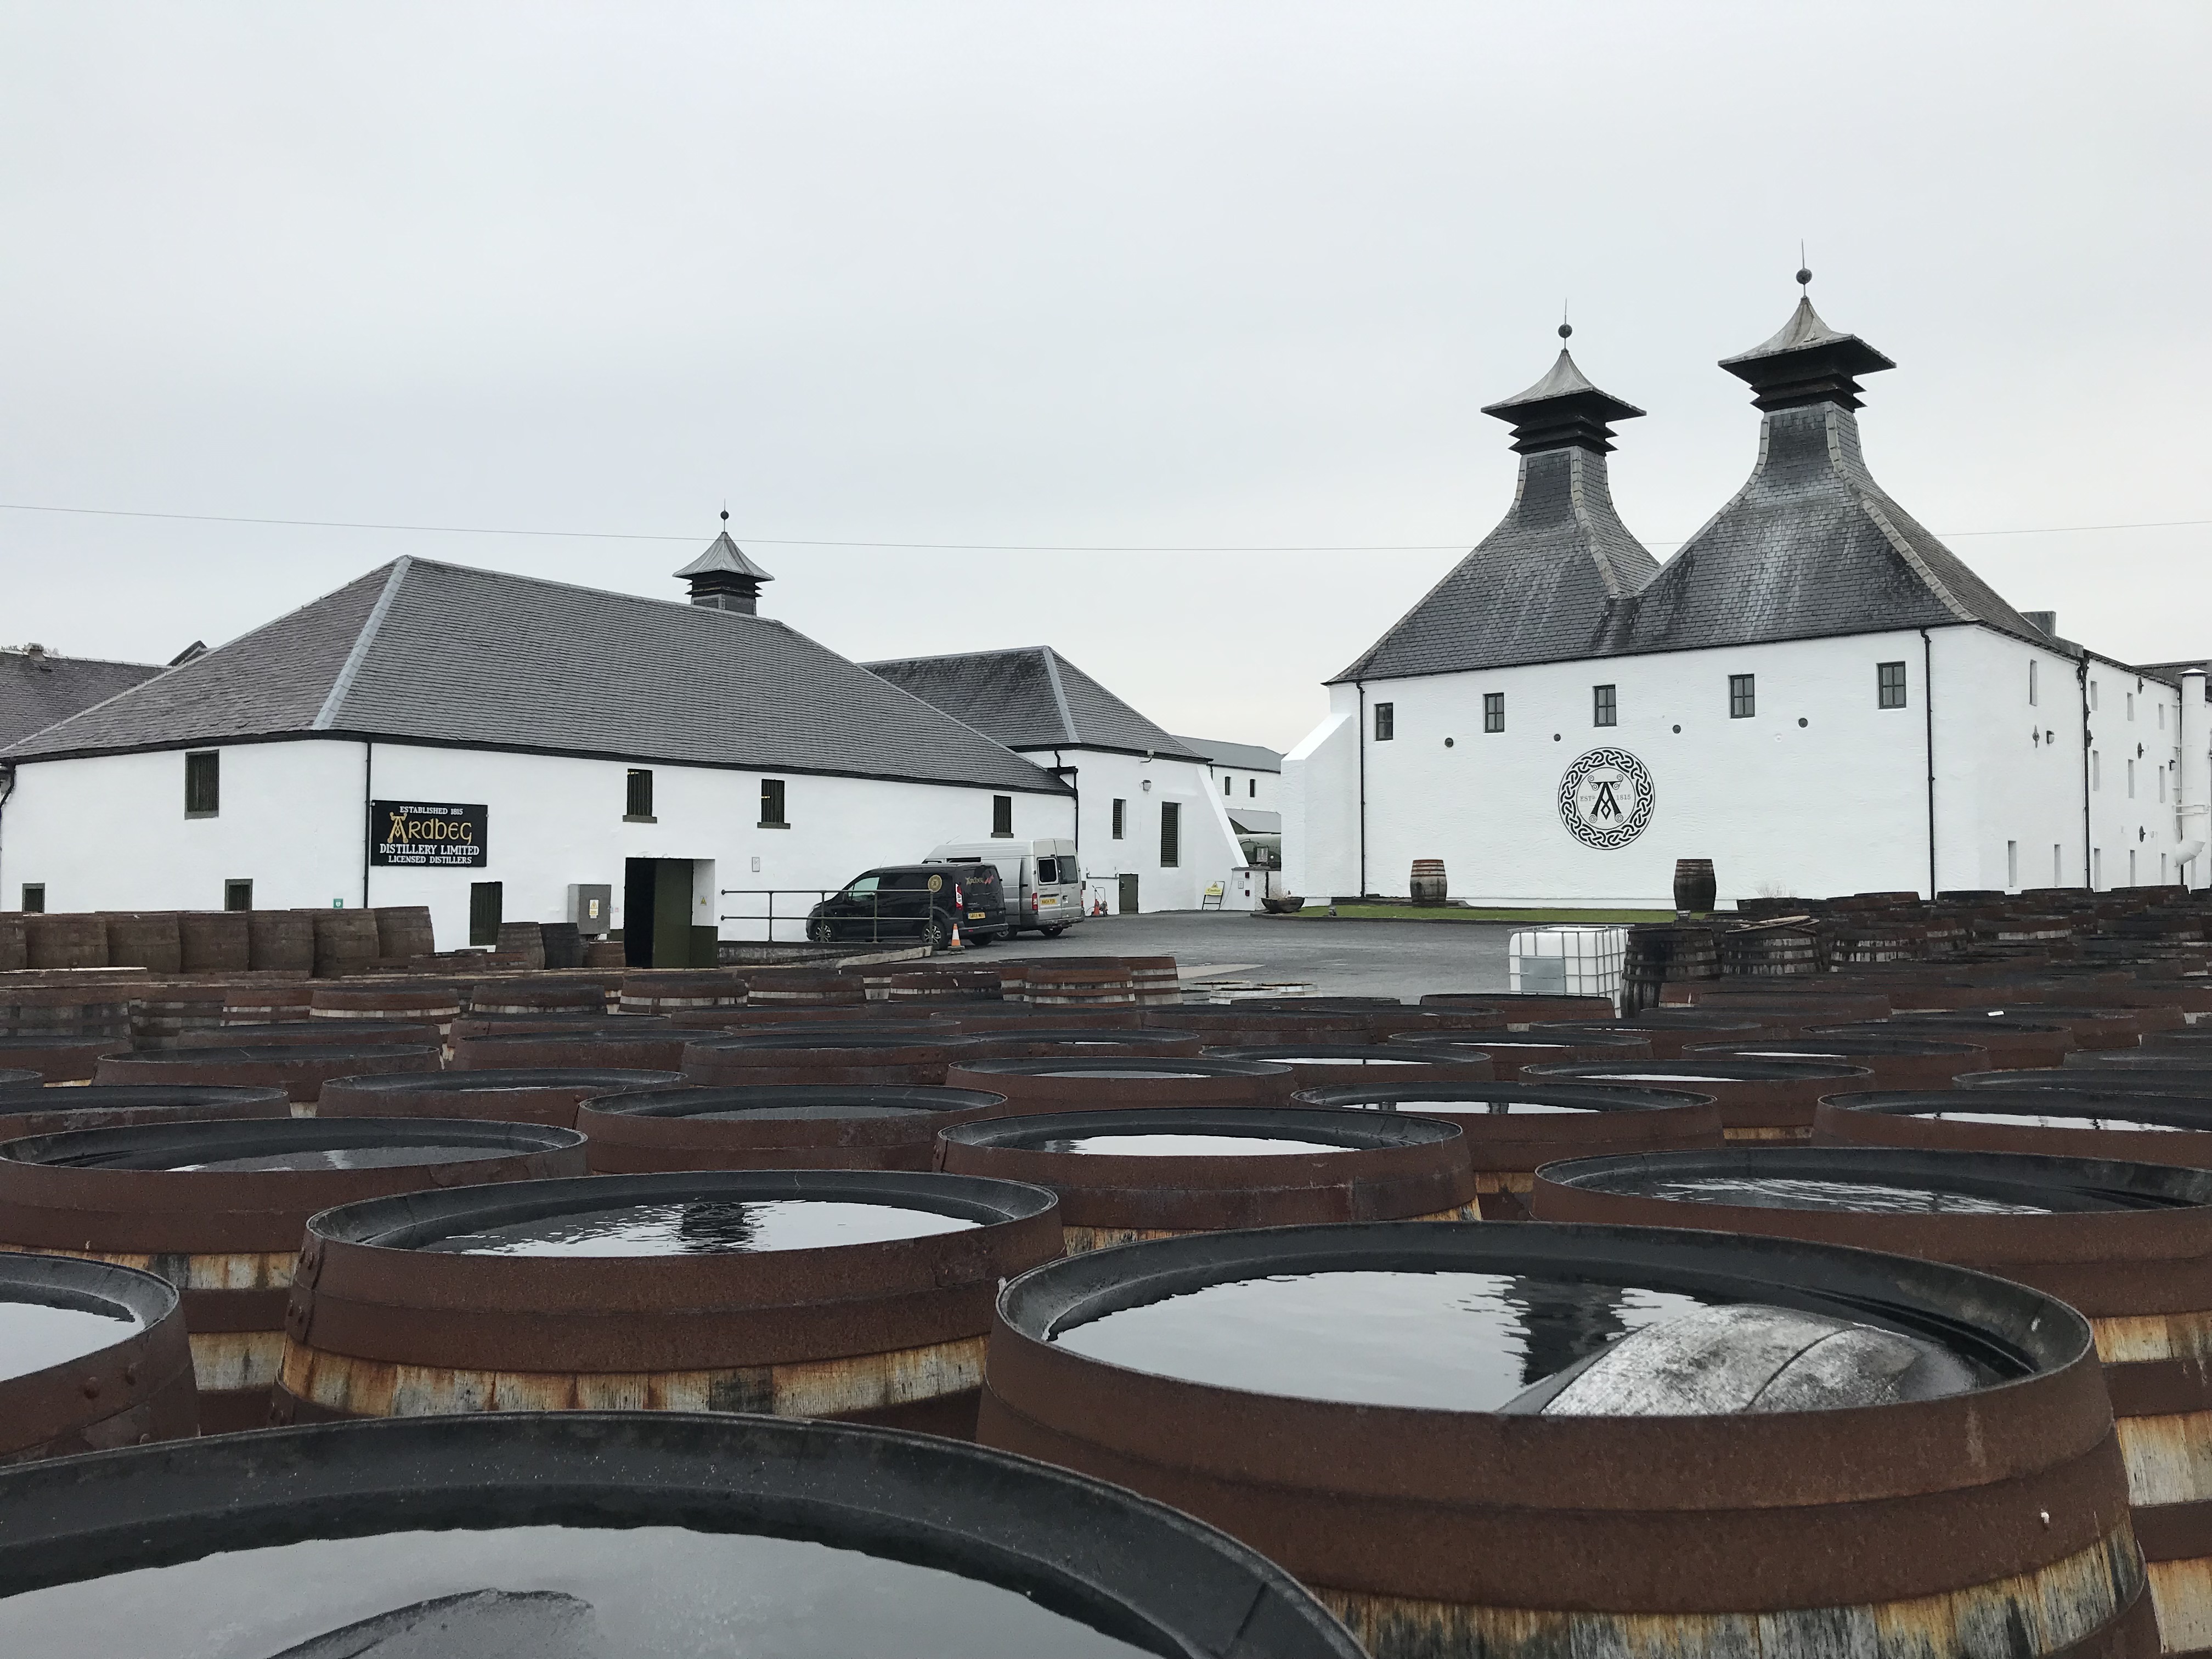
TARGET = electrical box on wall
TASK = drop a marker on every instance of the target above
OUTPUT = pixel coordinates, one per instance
(590, 906)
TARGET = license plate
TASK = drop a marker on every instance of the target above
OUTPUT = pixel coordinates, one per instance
(974, 915)
(1048, 898)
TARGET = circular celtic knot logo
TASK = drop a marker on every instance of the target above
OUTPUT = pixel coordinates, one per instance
(1606, 798)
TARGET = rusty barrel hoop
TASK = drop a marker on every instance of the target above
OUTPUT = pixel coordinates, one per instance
(300, 1069)
(789, 1126)
(887, 1332)
(2185, 1083)
(36, 1111)
(522, 1096)
(1899, 1062)
(126, 1391)
(1107, 1085)
(2128, 1246)
(1078, 1547)
(1376, 1168)
(1443, 1533)
(2130, 1128)
(2011, 1042)
(227, 1239)
(1667, 1033)
(1513, 1127)
(1322, 1064)
(1759, 1099)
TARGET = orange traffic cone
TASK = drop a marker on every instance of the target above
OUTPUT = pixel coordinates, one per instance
(958, 905)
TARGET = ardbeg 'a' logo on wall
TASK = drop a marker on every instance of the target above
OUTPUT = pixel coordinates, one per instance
(1606, 798)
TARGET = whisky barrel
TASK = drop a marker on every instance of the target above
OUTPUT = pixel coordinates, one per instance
(1785, 948)
(1759, 1099)
(1512, 1129)
(862, 1294)
(28, 1109)
(1897, 1063)
(346, 941)
(1130, 1175)
(403, 930)
(217, 1209)
(299, 1069)
(93, 1007)
(267, 1001)
(2130, 1128)
(802, 985)
(524, 940)
(807, 1126)
(2129, 1245)
(167, 1009)
(1427, 882)
(1696, 892)
(844, 1054)
(1319, 1065)
(144, 938)
(52, 1057)
(1518, 1010)
(309, 1034)
(520, 1096)
(281, 941)
(65, 939)
(92, 1356)
(15, 948)
(609, 1045)
(516, 996)
(665, 991)
(816, 1540)
(406, 1002)
(1658, 953)
(1668, 1032)
(214, 941)
(1509, 1052)
(2011, 1042)
(1057, 1086)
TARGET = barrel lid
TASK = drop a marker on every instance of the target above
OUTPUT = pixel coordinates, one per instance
(17, 1081)
(2185, 1081)
(95, 1096)
(1351, 1131)
(1370, 1054)
(1117, 1066)
(492, 1080)
(205, 1141)
(2092, 1108)
(1500, 1097)
(1691, 1068)
(797, 1100)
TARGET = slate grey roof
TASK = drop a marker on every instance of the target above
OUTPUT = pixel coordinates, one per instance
(1250, 821)
(1031, 698)
(725, 556)
(442, 653)
(1238, 756)
(38, 688)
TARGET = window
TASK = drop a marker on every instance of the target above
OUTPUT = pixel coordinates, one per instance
(1493, 711)
(1252, 788)
(638, 805)
(1604, 711)
(2057, 865)
(2096, 770)
(2161, 786)
(2161, 717)
(1002, 815)
(203, 784)
(34, 898)
(1171, 834)
(2096, 867)
(2012, 864)
(1386, 721)
(1228, 786)
(2131, 705)
(1121, 813)
(1889, 685)
(772, 815)
(2131, 867)
(2092, 696)
(237, 896)
(2030, 682)
(487, 908)
(2131, 780)
(1743, 697)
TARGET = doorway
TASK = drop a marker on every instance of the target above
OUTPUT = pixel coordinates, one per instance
(1126, 902)
(659, 897)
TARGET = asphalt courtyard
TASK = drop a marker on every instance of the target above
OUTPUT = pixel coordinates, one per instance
(1341, 958)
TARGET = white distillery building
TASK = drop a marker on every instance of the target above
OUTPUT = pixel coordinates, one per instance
(1152, 826)
(1814, 692)
(534, 738)
(1251, 780)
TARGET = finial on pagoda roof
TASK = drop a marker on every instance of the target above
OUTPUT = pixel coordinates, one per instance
(1805, 361)
(1563, 411)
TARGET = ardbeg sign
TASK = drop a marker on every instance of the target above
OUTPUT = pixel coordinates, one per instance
(408, 833)
(1606, 798)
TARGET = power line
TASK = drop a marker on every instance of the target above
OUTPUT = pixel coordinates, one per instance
(946, 547)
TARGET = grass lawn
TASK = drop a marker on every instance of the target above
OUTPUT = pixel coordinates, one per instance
(1460, 913)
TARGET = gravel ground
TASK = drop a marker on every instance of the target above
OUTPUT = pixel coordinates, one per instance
(1344, 959)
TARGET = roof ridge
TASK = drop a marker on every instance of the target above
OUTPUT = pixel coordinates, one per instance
(1059, 693)
(684, 605)
(327, 714)
(962, 656)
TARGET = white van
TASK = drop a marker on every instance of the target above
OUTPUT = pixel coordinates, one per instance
(1042, 880)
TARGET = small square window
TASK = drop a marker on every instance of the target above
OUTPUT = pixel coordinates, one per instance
(203, 784)
(1386, 721)
(637, 807)
(1743, 697)
(1493, 711)
(1002, 815)
(1604, 710)
(772, 815)
(1889, 685)
(237, 896)
(34, 898)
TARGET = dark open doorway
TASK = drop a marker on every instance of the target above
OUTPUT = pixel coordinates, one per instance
(656, 925)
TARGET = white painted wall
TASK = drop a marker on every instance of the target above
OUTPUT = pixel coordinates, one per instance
(109, 832)
(1208, 847)
(1820, 792)
(2145, 823)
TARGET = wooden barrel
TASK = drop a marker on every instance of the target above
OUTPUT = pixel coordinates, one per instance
(1695, 891)
(409, 1003)
(217, 1209)
(65, 939)
(1323, 1064)
(26, 1108)
(89, 1008)
(310, 1034)
(51, 1057)
(144, 938)
(1759, 1099)
(96, 1358)
(2010, 1042)
(557, 1023)
(165, 1011)
(281, 941)
(547, 1096)
(656, 1049)
(1059, 1085)
(812, 1534)
(896, 1059)
(1510, 1055)
(1896, 1062)
(563, 943)
(769, 986)
(1668, 1032)
(859, 1294)
(1657, 953)
(809, 1126)
(1782, 949)
(1511, 1129)
(1427, 882)
(1047, 1040)
(667, 991)
(1123, 1176)
(1490, 1453)
(403, 930)
(301, 1070)
(2130, 1128)
(1055, 987)
(1516, 1011)
(2129, 1245)
(523, 939)
(267, 1002)
(346, 941)
(214, 941)
(14, 947)
(605, 953)
(516, 996)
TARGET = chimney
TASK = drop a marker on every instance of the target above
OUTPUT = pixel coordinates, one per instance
(2045, 620)
(723, 578)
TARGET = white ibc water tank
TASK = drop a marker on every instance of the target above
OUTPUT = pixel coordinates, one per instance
(1569, 961)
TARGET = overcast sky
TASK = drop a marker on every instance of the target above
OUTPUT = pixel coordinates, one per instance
(1130, 277)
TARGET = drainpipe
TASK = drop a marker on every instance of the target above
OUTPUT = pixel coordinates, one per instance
(2089, 865)
(7, 784)
(2194, 786)
(1361, 687)
(368, 813)
(1928, 722)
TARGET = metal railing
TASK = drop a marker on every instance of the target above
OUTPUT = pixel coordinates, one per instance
(901, 924)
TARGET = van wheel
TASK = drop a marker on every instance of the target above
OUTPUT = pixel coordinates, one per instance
(820, 930)
(934, 933)
(1053, 932)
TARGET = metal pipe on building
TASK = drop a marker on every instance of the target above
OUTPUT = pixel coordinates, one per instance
(2194, 786)
(1927, 719)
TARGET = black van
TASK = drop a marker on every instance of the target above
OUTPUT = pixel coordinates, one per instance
(913, 902)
